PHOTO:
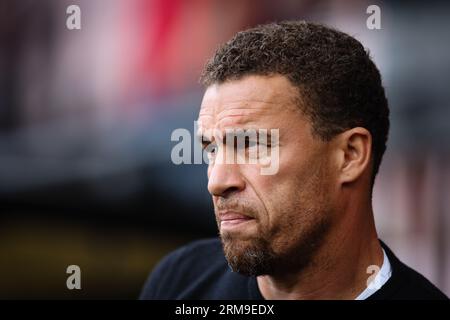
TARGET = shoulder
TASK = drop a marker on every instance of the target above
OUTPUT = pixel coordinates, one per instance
(418, 287)
(184, 269)
(196, 253)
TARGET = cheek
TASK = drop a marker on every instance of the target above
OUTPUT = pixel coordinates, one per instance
(274, 194)
(303, 166)
(271, 190)
(259, 191)
(300, 186)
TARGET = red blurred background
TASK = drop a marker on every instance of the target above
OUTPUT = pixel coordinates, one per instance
(86, 117)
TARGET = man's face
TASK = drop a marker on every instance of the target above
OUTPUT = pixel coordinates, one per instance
(268, 223)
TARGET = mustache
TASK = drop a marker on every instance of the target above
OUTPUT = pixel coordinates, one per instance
(237, 205)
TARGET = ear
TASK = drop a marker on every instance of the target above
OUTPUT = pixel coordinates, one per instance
(354, 154)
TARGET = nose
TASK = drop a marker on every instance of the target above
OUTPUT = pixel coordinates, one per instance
(224, 179)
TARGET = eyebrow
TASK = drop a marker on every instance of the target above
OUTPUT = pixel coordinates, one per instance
(205, 141)
(242, 133)
(202, 138)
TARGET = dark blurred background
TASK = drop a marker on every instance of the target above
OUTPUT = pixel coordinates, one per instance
(86, 117)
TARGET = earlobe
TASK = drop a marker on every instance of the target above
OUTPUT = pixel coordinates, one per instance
(355, 152)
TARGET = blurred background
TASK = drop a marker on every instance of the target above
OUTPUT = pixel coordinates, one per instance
(86, 117)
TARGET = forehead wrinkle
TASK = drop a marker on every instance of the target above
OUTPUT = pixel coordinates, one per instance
(238, 112)
(205, 117)
(245, 107)
(204, 111)
(249, 103)
(239, 116)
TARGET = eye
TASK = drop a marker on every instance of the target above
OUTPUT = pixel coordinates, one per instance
(205, 144)
(213, 149)
(210, 148)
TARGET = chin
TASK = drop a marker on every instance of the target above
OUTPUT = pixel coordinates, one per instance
(250, 257)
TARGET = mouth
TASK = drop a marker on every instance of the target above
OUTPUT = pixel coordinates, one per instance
(232, 220)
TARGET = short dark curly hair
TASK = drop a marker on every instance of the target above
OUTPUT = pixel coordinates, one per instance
(338, 83)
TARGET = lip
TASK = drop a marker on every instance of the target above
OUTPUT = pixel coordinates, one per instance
(231, 219)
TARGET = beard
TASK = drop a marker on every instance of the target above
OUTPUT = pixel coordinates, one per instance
(288, 248)
(248, 257)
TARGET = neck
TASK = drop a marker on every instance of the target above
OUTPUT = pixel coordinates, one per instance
(338, 270)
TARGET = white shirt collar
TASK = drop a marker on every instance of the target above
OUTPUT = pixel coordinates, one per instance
(380, 279)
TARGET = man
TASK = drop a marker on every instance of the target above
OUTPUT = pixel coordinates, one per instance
(306, 231)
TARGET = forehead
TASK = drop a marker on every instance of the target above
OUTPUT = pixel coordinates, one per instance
(252, 100)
